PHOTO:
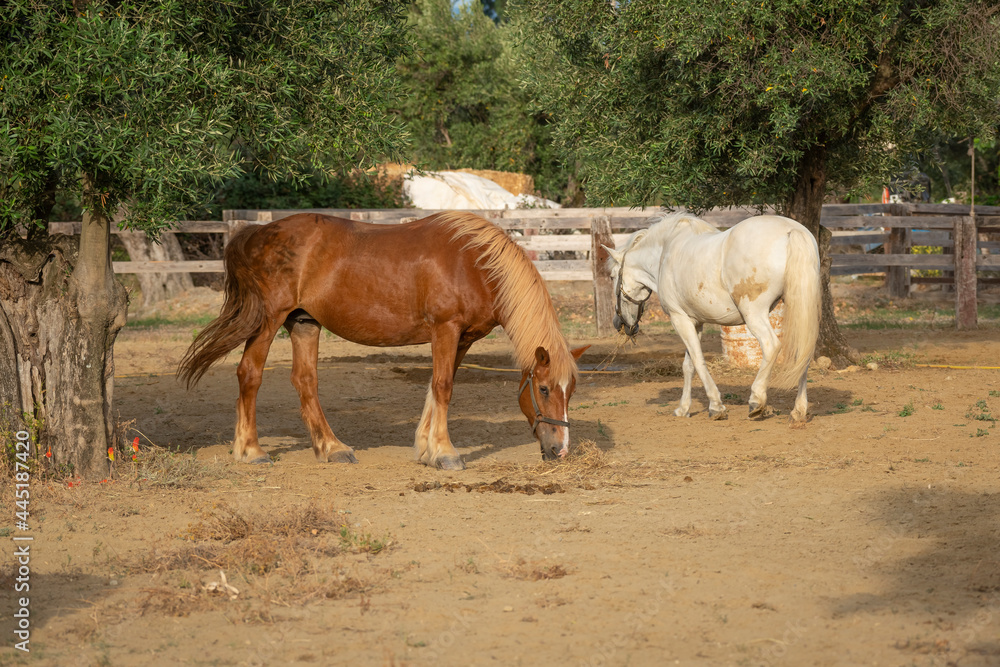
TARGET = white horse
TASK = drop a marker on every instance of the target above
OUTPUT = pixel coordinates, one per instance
(729, 278)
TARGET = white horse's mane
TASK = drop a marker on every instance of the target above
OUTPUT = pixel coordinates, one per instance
(666, 223)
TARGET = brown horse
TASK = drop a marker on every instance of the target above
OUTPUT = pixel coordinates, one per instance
(447, 279)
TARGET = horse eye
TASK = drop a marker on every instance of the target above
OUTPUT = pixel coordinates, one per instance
(544, 391)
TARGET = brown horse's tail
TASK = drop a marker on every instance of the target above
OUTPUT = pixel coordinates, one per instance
(242, 316)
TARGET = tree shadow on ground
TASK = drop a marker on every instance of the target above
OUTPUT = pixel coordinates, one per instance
(936, 555)
(50, 596)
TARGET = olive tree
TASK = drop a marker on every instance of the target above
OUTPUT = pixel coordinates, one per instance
(703, 103)
(140, 109)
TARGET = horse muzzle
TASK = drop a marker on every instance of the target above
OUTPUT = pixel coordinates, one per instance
(552, 439)
(619, 325)
(555, 452)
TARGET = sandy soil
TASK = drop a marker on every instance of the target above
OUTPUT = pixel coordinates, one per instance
(867, 537)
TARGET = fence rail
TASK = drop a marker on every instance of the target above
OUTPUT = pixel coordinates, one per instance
(894, 228)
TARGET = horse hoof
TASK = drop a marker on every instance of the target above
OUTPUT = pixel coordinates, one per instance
(451, 463)
(681, 413)
(761, 411)
(260, 460)
(342, 456)
(718, 415)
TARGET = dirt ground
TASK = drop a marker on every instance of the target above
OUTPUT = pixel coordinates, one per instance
(870, 536)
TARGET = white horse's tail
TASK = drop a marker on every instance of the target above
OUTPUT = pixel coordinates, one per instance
(803, 298)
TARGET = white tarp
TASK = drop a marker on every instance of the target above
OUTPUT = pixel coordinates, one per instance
(454, 190)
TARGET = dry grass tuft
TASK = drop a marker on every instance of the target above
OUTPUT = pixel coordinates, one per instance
(587, 466)
(660, 368)
(165, 601)
(283, 556)
(531, 570)
(245, 561)
(588, 457)
(223, 523)
(257, 542)
(160, 467)
(347, 586)
(497, 486)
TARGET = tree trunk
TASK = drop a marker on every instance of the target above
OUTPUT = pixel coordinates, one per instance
(60, 311)
(156, 287)
(806, 206)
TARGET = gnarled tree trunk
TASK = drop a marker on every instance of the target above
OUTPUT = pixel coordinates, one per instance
(60, 311)
(806, 206)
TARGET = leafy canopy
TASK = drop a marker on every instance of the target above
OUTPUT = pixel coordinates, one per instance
(158, 102)
(465, 107)
(706, 103)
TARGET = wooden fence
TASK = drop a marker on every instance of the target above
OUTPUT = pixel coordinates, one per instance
(551, 234)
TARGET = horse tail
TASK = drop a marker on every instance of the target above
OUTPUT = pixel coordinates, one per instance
(803, 298)
(243, 314)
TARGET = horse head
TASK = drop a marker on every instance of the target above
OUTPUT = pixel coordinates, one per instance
(629, 298)
(544, 400)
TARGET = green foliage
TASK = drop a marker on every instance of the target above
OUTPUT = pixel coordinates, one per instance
(948, 165)
(705, 103)
(465, 107)
(981, 412)
(359, 542)
(342, 191)
(495, 9)
(158, 103)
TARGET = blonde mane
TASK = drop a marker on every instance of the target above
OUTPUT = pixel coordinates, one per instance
(524, 306)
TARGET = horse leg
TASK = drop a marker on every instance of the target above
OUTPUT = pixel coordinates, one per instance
(760, 327)
(249, 375)
(304, 335)
(690, 333)
(684, 410)
(421, 441)
(438, 449)
(801, 402)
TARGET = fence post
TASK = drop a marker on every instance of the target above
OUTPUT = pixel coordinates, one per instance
(897, 278)
(965, 237)
(233, 225)
(604, 308)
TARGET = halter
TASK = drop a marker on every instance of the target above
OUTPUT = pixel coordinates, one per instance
(539, 417)
(641, 303)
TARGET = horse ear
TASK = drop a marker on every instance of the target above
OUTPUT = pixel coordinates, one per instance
(542, 356)
(616, 255)
(578, 352)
